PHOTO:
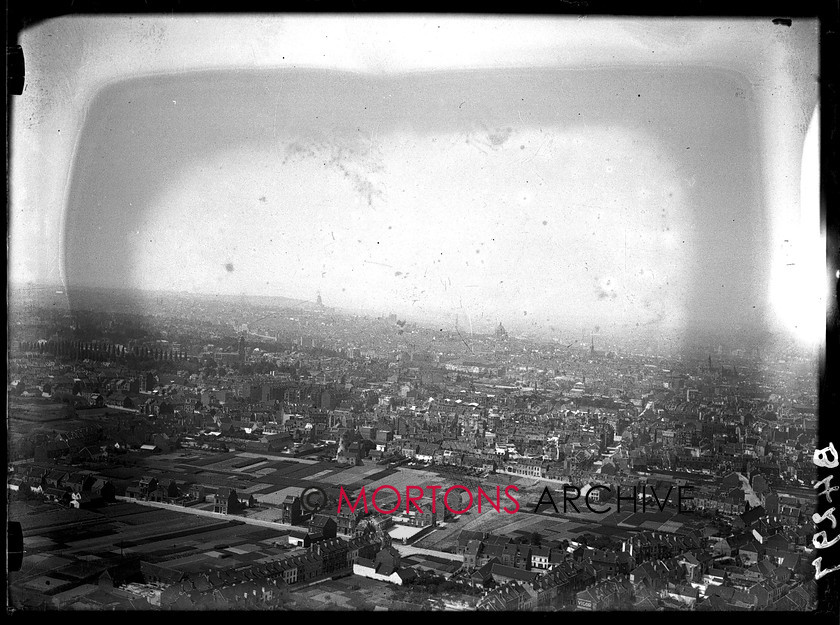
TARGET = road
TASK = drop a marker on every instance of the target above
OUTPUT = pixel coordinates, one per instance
(207, 513)
(409, 550)
(404, 550)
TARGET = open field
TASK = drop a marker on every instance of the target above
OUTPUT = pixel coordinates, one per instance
(62, 544)
(39, 410)
(344, 594)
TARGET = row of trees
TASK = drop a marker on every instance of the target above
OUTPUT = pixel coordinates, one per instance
(435, 584)
(81, 350)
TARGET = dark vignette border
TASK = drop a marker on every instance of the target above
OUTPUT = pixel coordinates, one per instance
(21, 14)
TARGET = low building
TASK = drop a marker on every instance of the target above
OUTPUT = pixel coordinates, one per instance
(385, 567)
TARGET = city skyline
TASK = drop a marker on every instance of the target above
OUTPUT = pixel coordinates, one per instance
(273, 317)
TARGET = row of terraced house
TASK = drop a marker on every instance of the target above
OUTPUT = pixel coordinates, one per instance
(327, 558)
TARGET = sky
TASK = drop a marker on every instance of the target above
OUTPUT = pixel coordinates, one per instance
(606, 196)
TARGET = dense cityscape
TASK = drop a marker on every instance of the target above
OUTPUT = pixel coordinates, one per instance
(161, 448)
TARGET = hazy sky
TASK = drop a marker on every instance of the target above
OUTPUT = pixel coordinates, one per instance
(567, 197)
(604, 195)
